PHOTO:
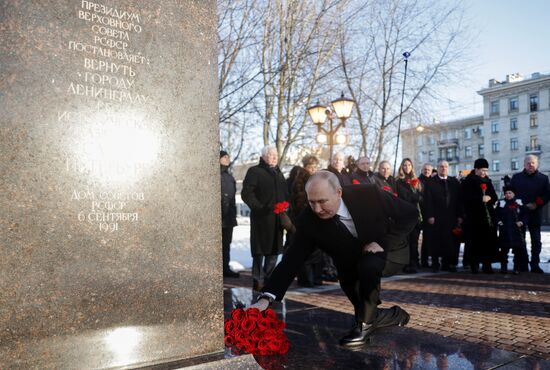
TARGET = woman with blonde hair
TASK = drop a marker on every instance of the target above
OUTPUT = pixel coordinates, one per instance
(409, 188)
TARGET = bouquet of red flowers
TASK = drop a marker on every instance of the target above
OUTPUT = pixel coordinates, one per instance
(539, 202)
(255, 332)
(355, 182)
(280, 207)
(412, 182)
(389, 190)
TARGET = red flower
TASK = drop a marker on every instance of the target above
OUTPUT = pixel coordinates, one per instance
(248, 324)
(280, 207)
(387, 188)
(270, 314)
(238, 314)
(513, 205)
(355, 182)
(457, 230)
(483, 187)
(539, 201)
(253, 313)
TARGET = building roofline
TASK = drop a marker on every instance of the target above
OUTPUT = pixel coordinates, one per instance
(455, 122)
(502, 86)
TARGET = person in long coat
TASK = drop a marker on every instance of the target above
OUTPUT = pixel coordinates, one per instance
(443, 213)
(425, 176)
(478, 199)
(409, 188)
(363, 229)
(362, 174)
(383, 177)
(229, 211)
(264, 186)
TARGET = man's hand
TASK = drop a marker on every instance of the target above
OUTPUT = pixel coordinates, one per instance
(261, 305)
(286, 223)
(431, 220)
(373, 247)
(460, 220)
(519, 223)
(486, 198)
(531, 206)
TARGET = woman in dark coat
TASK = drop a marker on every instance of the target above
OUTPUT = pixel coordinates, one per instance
(478, 199)
(409, 188)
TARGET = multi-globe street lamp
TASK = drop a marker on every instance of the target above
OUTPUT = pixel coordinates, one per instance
(341, 108)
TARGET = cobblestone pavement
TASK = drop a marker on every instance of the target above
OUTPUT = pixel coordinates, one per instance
(504, 311)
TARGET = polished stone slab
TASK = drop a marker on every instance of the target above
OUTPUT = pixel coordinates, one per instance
(314, 333)
(109, 183)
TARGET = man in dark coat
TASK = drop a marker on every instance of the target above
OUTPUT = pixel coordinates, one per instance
(338, 167)
(229, 211)
(441, 204)
(478, 200)
(384, 179)
(533, 189)
(264, 186)
(362, 174)
(364, 230)
(425, 175)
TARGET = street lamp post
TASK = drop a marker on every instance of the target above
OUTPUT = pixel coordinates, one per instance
(341, 108)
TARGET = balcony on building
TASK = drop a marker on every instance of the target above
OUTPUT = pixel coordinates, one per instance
(451, 160)
(447, 143)
(533, 149)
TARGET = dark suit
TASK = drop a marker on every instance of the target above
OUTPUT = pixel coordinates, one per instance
(441, 201)
(378, 217)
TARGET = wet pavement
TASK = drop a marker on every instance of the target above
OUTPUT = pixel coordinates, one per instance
(458, 321)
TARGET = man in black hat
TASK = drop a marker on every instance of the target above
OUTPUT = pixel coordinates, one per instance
(229, 211)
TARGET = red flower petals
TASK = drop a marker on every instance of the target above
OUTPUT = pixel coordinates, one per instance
(280, 207)
(255, 332)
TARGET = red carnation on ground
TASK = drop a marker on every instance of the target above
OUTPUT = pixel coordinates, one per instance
(280, 207)
(539, 201)
(355, 182)
(255, 332)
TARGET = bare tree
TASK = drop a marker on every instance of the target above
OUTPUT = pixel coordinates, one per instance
(370, 55)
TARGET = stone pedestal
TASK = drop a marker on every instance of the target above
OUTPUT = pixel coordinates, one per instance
(110, 252)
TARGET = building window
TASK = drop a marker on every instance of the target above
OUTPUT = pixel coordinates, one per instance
(513, 124)
(533, 121)
(431, 156)
(496, 165)
(468, 151)
(495, 146)
(533, 102)
(481, 130)
(513, 104)
(468, 133)
(495, 107)
(534, 142)
(494, 127)
(514, 165)
(481, 150)
(514, 143)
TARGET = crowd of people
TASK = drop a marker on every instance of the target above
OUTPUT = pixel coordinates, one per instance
(451, 211)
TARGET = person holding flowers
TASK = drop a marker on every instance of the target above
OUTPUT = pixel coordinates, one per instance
(364, 230)
(409, 188)
(478, 199)
(264, 188)
(533, 188)
(511, 215)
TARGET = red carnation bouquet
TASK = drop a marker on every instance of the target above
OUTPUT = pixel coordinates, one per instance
(539, 202)
(412, 182)
(355, 182)
(255, 332)
(280, 207)
(483, 187)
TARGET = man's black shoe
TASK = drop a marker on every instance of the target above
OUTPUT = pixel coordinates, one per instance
(536, 269)
(231, 274)
(358, 335)
(392, 316)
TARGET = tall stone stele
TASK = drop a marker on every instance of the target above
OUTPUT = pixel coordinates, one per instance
(109, 183)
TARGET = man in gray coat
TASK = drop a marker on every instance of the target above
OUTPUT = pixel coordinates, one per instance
(264, 186)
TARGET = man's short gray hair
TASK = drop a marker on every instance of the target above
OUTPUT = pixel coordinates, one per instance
(441, 162)
(530, 156)
(266, 149)
(324, 175)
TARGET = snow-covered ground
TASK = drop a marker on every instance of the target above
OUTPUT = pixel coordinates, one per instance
(241, 258)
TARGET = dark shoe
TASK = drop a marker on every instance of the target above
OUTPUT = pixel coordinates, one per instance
(409, 270)
(435, 269)
(391, 317)
(475, 269)
(536, 269)
(487, 269)
(425, 265)
(231, 274)
(503, 270)
(452, 268)
(516, 272)
(318, 283)
(358, 335)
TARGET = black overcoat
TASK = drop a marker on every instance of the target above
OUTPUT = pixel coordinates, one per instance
(263, 187)
(228, 189)
(378, 216)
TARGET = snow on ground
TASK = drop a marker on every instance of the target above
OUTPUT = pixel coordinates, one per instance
(241, 257)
